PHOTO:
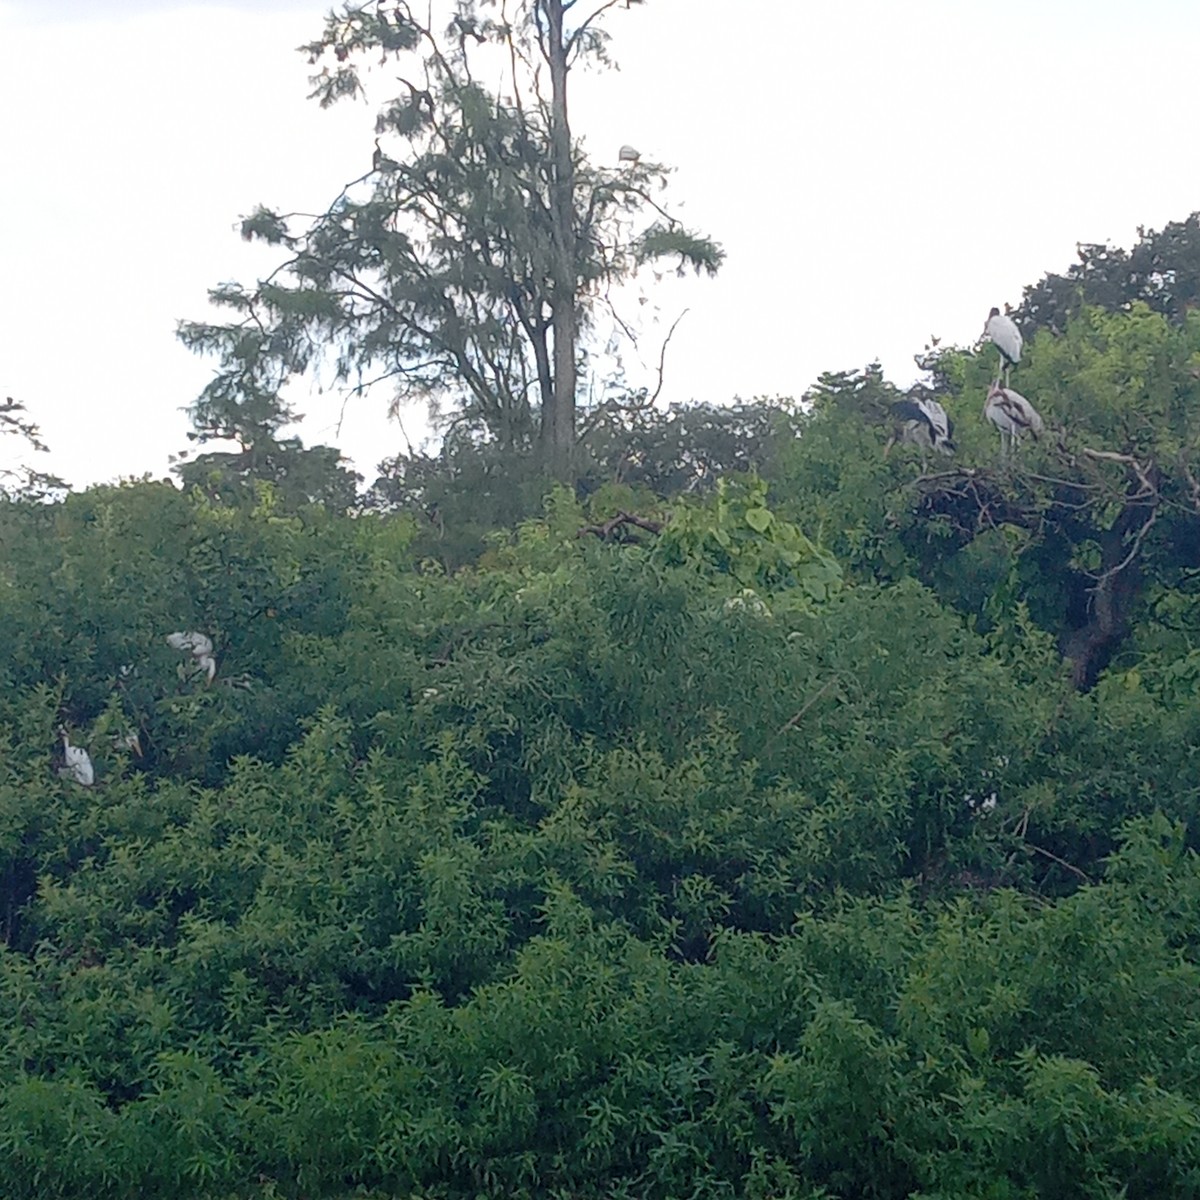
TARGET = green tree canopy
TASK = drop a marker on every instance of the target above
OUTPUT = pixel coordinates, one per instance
(25, 480)
(1091, 527)
(766, 817)
(1162, 271)
(464, 267)
(689, 865)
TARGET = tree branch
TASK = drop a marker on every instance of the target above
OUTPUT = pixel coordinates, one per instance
(10, 422)
(573, 40)
(1142, 472)
(662, 353)
(1062, 862)
(606, 529)
(795, 720)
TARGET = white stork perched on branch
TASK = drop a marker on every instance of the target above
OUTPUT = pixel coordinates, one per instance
(1003, 333)
(200, 647)
(924, 423)
(1012, 414)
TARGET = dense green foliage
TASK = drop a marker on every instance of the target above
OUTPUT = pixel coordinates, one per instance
(1096, 527)
(695, 864)
(764, 817)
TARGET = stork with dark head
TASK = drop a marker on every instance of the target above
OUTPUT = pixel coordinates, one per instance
(922, 422)
(1002, 332)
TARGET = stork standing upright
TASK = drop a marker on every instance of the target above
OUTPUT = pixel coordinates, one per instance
(78, 763)
(923, 423)
(1013, 415)
(1003, 333)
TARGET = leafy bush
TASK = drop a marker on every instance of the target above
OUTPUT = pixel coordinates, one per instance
(687, 867)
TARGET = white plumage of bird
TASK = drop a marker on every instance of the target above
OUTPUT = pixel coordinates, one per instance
(748, 600)
(1003, 333)
(78, 762)
(1012, 414)
(925, 424)
(199, 646)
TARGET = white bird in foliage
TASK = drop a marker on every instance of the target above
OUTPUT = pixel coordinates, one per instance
(749, 600)
(128, 741)
(1003, 333)
(1012, 414)
(628, 154)
(199, 646)
(924, 424)
(78, 768)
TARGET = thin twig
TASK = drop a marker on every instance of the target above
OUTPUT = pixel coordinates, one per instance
(662, 353)
(1148, 488)
(616, 316)
(796, 718)
(792, 722)
(1062, 862)
(1067, 483)
(574, 39)
(1133, 550)
(959, 473)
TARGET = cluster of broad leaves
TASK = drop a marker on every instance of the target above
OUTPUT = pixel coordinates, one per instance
(691, 866)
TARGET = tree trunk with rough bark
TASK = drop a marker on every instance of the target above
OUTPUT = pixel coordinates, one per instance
(558, 417)
(1091, 647)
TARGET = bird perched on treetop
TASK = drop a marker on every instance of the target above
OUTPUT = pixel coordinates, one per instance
(628, 154)
(1012, 414)
(924, 424)
(1003, 333)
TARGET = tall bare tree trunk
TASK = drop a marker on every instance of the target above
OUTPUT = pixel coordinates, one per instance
(558, 417)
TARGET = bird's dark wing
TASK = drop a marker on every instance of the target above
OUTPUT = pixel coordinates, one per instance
(1015, 410)
(910, 410)
(948, 440)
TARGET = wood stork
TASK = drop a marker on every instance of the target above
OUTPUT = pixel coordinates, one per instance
(199, 646)
(1003, 333)
(78, 763)
(1012, 414)
(924, 423)
(628, 154)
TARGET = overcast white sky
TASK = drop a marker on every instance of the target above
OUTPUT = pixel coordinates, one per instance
(876, 171)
